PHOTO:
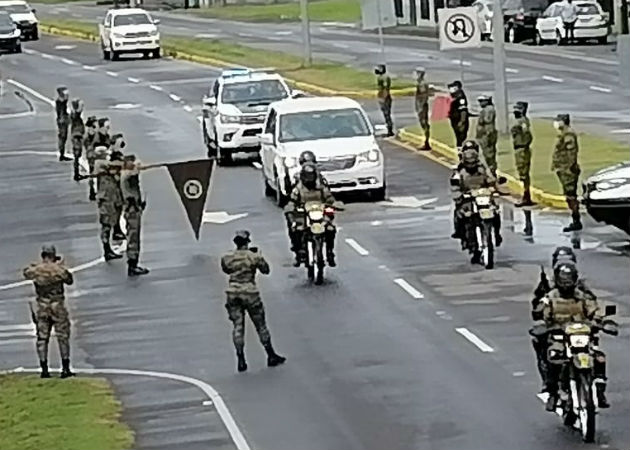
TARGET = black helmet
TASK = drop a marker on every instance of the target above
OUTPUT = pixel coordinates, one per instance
(307, 157)
(241, 238)
(380, 69)
(470, 145)
(564, 118)
(565, 276)
(470, 158)
(308, 175)
(49, 251)
(521, 107)
(484, 99)
(563, 254)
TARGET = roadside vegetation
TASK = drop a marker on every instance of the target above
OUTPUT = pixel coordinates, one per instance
(595, 152)
(54, 414)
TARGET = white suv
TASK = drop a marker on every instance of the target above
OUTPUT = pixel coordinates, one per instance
(235, 108)
(24, 16)
(129, 30)
(340, 134)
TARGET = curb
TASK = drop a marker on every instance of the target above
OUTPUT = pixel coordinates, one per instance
(174, 52)
(515, 186)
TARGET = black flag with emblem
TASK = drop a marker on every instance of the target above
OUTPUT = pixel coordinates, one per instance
(192, 179)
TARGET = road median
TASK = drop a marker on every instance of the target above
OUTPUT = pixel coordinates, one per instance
(322, 78)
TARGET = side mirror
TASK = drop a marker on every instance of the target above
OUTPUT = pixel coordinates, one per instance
(297, 93)
(610, 310)
(209, 102)
(33, 10)
(380, 130)
(454, 181)
(266, 138)
(156, 21)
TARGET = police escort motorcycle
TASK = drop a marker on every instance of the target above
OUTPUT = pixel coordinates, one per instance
(481, 219)
(317, 215)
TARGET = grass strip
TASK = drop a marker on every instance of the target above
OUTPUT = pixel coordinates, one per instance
(71, 414)
(595, 152)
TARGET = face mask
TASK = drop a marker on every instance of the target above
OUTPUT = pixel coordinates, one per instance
(557, 125)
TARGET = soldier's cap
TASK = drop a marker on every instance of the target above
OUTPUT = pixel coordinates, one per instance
(116, 155)
(484, 98)
(564, 118)
(76, 102)
(521, 106)
(420, 69)
(49, 250)
(129, 158)
(102, 121)
(61, 89)
(241, 237)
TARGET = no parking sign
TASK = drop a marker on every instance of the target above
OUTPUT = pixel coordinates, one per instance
(459, 28)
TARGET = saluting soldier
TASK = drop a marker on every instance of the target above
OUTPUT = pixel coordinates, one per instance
(89, 141)
(487, 135)
(63, 121)
(423, 92)
(383, 93)
(522, 139)
(565, 164)
(77, 131)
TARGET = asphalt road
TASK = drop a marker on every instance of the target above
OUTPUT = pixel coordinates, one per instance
(583, 82)
(370, 365)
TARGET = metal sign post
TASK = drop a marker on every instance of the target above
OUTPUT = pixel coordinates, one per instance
(378, 15)
(500, 83)
(381, 39)
(306, 33)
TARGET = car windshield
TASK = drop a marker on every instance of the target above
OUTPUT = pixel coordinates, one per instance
(5, 21)
(312, 125)
(254, 92)
(131, 19)
(16, 9)
(587, 10)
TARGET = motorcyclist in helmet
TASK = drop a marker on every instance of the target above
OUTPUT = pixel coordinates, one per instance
(308, 156)
(564, 304)
(472, 174)
(309, 189)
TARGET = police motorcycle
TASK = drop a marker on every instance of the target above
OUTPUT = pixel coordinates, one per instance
(316, 216)
(574, 347)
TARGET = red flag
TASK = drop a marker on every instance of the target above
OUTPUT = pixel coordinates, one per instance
(191, 180)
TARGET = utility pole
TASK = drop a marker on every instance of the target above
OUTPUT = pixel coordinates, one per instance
(306, 33)
(624, 17)
(381, 39)
(500, 84)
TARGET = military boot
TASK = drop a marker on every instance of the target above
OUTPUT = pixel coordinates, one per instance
(273, 359)
(426, 145)
(44, 366)
(109, 254)
(526, 200)
(76, 176)
(118, 234)
(242, 364)
(92, 196)
(551, 402)
(330, 251)
(63, 157)
(576, 225)
(134, 270)
(65, 369)
(602, 401)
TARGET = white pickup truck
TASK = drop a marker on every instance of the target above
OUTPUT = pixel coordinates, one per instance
(127, 31)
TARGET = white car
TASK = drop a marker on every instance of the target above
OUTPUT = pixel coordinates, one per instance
(235, 108)
(129, 30)
(340, 134)
(24, 16)
(607, 196)
(592, 23)
(484, 17)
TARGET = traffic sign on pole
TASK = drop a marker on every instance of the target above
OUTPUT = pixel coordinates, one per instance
(458, 28)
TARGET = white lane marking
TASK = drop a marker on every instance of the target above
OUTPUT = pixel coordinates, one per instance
(28, 51)
(510, 70)
(245, 34)
(409, 201)
(283, 33)
(207, 403)
(27, 327)
(623, 131)
(460, 62)
(125, 106)
(111, 74)
(257, 165)
(156, 88)
(600, 89)
(133, 80)
(187, 108)
(31, 91)
(518, 373)
(69, 62)
(408, 288)
(90, 68)
(336, 44)
(553, 79)
(357, 247)
(17, 115)
(175, 98)
(65, 47)
(376, 223)
(47, 56)
(228, 420)
(221, 217)
(205, 36)
(29, 152)
(481, 345)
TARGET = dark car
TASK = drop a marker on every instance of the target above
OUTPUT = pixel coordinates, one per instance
(607, 196)
(9, 35)
(520, 18)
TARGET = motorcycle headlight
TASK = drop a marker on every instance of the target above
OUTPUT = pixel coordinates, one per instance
(316, 216)
(483, 201)
(579, 340)
(373, 155)
(229, 119)
(290, 162)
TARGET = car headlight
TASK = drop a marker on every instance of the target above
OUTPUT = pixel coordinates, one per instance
(153, 33)
(373, 155)
(611, 184)
(118, 35)
(290, 162)
(229, 119)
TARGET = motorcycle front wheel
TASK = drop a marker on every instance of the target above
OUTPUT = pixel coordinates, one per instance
(586, 407)
(310, 261)
(319, 260)
(487, 245)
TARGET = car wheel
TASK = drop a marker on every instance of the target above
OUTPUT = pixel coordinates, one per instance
(269, 192)
(559, 39)
(378, 195)
(157, 54)
(224, 157)
(114, 54)
(281, 199)
(18, 49)
(107, 55)
(35, 35)
(538, 40)
(602, 40)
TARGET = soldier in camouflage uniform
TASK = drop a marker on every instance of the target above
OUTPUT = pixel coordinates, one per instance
(77, 131)
(49, 277)
(63, 121)
(133, 207)
(487, 132)
(565, 164)
(89, 141)
(522, 140)
(243, 297)
(383, 86)
(423, 92)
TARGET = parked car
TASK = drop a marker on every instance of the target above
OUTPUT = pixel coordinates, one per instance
(337, 130)
(126, 31)
(607, 196)
(9, 35)
(24, 16)
(592, 23)
(484, 17)
(520, 18)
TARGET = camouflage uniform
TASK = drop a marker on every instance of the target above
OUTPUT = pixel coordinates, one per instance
(384, 84)
(89, 143)
(487, 136)
(63, 121)
(423, 92)
(49, 278)
(109, 196)
(522, 140)
(133, 208)
(565, 164)
(77, 131)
